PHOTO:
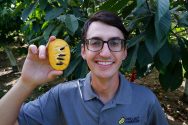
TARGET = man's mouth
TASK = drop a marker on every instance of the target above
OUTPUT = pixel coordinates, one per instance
(104, 63)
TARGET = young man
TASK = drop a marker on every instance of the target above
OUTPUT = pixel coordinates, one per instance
(104, 97)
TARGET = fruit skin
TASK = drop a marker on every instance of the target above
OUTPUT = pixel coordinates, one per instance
(58, 54)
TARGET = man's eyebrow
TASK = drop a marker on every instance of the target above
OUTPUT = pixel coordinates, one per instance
(111, 38)
(95, 37)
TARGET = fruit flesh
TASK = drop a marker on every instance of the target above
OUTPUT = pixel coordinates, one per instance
(59, 54)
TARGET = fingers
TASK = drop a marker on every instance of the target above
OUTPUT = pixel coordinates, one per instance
(54, 73)
(33, 49)
(42, 52)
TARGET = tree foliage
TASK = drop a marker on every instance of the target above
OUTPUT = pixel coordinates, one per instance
(10, 23)
(158, 31)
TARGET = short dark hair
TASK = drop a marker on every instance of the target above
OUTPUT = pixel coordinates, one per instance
(107, 18)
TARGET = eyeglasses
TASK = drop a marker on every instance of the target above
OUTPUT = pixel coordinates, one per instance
(114, 45)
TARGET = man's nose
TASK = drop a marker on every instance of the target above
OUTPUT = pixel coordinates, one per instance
(105, 50)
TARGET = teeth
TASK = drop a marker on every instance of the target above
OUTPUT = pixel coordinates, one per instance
(104, 63)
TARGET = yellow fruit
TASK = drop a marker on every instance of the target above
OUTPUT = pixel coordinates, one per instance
(59, 54)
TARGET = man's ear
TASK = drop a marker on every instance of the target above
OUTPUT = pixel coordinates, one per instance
(83, 51)
(125, 54)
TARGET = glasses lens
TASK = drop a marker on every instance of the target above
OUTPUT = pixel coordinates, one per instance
(115, 45)
(95, 44)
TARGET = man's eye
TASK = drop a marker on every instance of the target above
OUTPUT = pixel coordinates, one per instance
(95, 42)
(115, 42)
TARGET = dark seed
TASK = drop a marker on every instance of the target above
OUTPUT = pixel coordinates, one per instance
(62, 48)
(60, 63)
(59, 58)
(60, 55)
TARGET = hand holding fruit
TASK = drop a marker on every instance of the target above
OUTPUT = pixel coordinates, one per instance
(36, 69)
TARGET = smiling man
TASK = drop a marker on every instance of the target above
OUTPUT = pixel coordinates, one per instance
(103, 97)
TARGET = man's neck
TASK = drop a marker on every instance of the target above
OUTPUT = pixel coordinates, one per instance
(105, 88)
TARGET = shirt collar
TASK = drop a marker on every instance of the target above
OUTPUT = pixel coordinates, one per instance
(88, 92)
(123, 95)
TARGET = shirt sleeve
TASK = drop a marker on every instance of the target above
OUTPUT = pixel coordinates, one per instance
(156, 115)
(44, 110)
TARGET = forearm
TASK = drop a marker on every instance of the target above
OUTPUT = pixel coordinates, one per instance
(10, 104)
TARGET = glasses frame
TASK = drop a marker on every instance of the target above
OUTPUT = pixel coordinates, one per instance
(103, 42)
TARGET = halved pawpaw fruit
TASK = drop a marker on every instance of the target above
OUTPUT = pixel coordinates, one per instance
(58, 54)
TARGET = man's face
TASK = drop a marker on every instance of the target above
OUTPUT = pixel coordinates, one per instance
(103, 63)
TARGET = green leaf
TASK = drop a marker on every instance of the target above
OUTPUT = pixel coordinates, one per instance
(63, 3)
(140, 3)
(162, 20)
(57, 29)
(36, 26)
(162, 9)
(172, 78)
(82, 69)
(71, 23)
(135, 40)
(159, 65)
(27, 11)
(152, 44)
(72, 66)
(128, 9)
(144, 58)
(185, 58)
(107, 4)
(120, 4)
(165, 54)
(141, 11)
(183, 21)
(55, 12)
(43, 4)
(48, 31)
(61, 18)
(186, 75)
(130, 61)
(184, 52)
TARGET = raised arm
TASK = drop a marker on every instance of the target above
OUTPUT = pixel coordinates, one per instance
(36, 71)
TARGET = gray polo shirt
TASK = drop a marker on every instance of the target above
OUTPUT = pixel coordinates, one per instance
(76, 103)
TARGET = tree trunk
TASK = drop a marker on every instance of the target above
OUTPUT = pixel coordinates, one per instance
(185, 95)
(11, 58)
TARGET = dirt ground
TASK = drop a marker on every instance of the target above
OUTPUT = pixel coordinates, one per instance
(175, 109)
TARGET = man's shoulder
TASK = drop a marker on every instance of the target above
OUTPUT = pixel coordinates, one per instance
(142, 91)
